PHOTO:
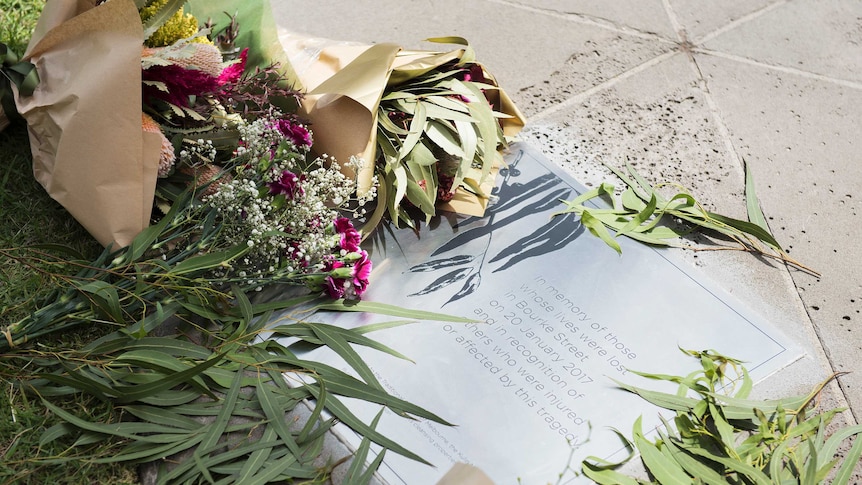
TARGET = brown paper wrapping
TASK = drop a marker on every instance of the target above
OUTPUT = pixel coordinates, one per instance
(84, 118)
(463, 474)
(345, 83)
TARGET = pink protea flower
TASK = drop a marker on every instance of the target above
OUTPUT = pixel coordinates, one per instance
(349, 236)
(233, 72)
(288, 184)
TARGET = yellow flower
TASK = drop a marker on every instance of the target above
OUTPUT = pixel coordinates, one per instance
(179, 26)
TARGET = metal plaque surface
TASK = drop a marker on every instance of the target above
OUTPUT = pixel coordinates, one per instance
(561, 317)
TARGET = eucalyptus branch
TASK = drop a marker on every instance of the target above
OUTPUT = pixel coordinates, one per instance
(640, 213)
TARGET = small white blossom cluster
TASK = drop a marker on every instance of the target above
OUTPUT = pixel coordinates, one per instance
(258, 138)
(283, 206)
(197, 152)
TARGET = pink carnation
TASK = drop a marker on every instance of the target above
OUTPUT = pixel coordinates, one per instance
(288, 185)
(349, 236)
(361, 273)
(296, 133)
(351, 285)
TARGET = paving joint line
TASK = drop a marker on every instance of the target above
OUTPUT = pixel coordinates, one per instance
(741, 20)
(605, 85)
(674, 21)
(581, 18)
(776, 67)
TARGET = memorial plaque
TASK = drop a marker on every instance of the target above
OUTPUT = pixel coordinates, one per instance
(561, 316)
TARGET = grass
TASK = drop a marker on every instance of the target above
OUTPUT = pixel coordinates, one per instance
(28, 216)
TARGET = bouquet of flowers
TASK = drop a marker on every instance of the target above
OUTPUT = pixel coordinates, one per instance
(433, 122)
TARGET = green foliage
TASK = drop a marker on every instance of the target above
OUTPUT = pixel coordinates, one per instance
(643, 214)
(721, 438)
(165, 386)
(17, 20)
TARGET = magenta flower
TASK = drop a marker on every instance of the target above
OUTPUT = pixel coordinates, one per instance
(361, 272)
(288, 184)
(233, 72)
(345, 281)
(335, 287)
(350, 237)
(296, 133)
(180, 82)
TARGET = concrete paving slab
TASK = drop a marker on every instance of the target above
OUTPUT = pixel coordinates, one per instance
(699, 18)
(601, 56)
(659, 122)
(806, 155)
(648, 16)
(818, 36)
(499, 33)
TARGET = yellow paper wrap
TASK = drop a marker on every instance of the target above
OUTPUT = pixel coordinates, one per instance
(463, 474)
(84, 118)
(345, 83)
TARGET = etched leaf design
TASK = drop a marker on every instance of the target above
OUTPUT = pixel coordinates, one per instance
(469, 287)
(436, 264)
(444, 281)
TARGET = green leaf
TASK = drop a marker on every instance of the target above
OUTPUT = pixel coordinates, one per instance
(752, 205)
(460, 112)
(340, 346)
(692, 466)
(417, 128)
(163, 416)
(661, 399)
(642, 216)
(851, 460)
(133, 393)
(605, 476)
(749, 471)
(104, 296)
(666, 471)
(444, 135)
(216, 429)
(725, 430)
(171, 346)
(747, 227)
(831, 447)
(272, 470)
(266, 396)
(391, 310)
(314, 417)
(55, 432)
(598, 229)
(258, 458)
(342, 412)
(354, 473)
(208, 261)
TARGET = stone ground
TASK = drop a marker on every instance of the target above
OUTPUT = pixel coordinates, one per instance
(687, 91)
